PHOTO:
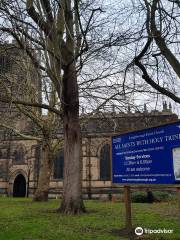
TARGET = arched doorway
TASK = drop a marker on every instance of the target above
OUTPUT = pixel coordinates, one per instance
(19, 187)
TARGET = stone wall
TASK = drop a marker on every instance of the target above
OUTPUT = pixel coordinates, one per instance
(19, 156)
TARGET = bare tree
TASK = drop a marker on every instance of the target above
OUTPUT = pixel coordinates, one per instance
(157, 52)
(49, 27)
(69, 38)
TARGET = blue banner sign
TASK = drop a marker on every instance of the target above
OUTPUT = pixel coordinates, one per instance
(150, 156)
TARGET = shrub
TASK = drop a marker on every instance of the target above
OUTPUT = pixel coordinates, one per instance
(146, 197)
(162, 196)
(139, 197)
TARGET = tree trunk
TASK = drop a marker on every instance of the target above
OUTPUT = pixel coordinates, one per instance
(72, 202)
(42, 190)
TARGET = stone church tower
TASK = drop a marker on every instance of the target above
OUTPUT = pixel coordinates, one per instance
(17, 78)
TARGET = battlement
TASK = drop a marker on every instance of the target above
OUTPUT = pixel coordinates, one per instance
(114, 111)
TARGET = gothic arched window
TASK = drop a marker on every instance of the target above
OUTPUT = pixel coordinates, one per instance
(5, 64)
(105, 169)
(59, 165)
(19, 155)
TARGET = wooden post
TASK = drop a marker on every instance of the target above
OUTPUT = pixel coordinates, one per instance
(178, 198)
(127, 200)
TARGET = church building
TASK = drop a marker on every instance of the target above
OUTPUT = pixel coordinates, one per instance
(20, 158)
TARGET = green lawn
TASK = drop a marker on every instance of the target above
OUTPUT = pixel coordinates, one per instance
(21, 219)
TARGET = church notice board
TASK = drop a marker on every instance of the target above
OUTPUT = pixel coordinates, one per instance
(149, 156)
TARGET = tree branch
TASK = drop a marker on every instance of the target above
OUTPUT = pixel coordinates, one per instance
(160, 41)
(38, 105)
(153, 84)
(47, 8)
(43, 25)
(27, 137)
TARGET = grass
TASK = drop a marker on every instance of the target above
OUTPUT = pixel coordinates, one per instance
(21, 219)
